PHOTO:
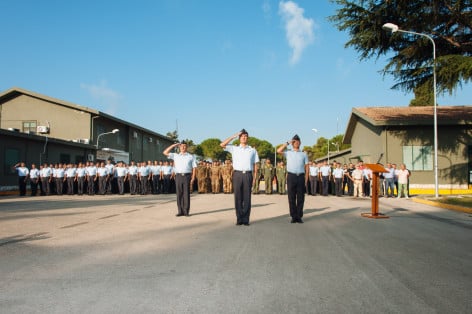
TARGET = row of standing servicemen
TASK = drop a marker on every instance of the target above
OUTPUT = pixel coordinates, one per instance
(158, 177)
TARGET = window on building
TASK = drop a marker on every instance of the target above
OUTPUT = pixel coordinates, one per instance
(419, 158)
(29, 126)
(12, 156)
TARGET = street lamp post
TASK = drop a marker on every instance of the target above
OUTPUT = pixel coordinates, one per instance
(316, 131)
(328, 151)
(394, 28)
(337, 146)
(98, 137)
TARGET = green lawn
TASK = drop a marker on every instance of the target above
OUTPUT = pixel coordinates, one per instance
(460, 201)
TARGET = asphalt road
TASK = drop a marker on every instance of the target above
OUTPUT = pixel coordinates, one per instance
(130, 254)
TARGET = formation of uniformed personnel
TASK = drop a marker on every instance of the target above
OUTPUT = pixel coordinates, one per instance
(281, 174)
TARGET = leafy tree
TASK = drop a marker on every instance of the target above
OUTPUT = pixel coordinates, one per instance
(174, 135)
(449, 23)
(211, 149)
(320, 149)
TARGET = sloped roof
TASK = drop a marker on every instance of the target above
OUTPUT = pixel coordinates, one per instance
(414, 115)
(403, 116)
(16, 92)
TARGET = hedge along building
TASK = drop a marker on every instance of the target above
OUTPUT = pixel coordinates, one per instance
(406, 135)
(36, 128)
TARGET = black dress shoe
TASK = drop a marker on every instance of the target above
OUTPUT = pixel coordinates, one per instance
(178, 215)
(293, 221)
(239, 223)
(300, 221)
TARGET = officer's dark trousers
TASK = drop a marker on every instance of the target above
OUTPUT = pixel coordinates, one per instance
(338, 183)
(296, 194)
(313, 184)
(133, 180)
(242, 184)
(22, 185)
(59, 185)
(45, 186)
(144, 185)
(325, 183)
(121, 185)
(155, 184)
(80, 185)
(34, 186)
(182, 188)
(91, 185)
(102, 185)
(70, 186)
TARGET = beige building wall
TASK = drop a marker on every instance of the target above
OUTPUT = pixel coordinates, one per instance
(65, 123)
(366, 143)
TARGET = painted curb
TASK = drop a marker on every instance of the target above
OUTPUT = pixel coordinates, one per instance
(445, 206)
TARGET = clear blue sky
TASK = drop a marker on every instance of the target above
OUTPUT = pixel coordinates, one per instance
(210, 67)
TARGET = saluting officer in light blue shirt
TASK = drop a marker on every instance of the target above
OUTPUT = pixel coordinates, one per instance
(185, 166)
(297, 177)
(23, 172)
(244, 164)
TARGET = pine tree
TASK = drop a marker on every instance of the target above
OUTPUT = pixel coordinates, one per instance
(449, 23)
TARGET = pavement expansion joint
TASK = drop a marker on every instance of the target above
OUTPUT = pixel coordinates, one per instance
(109, 216)
(75, 225)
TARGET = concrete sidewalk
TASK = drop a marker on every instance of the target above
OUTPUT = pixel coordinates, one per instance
(130, 254)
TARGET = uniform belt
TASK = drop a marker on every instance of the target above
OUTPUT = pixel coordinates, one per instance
(297, 174)
(183, 173)
(243, 171)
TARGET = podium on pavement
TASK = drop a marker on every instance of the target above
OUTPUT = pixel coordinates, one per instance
(376, 170)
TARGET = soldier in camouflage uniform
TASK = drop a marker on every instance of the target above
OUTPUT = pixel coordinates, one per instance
(268, 172)
(208, 177)
(281, 174)
(257, 177)
(227, 174)
(215, 172)
(201, 175)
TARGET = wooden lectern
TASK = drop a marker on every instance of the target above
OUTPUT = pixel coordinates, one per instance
(376, 170)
